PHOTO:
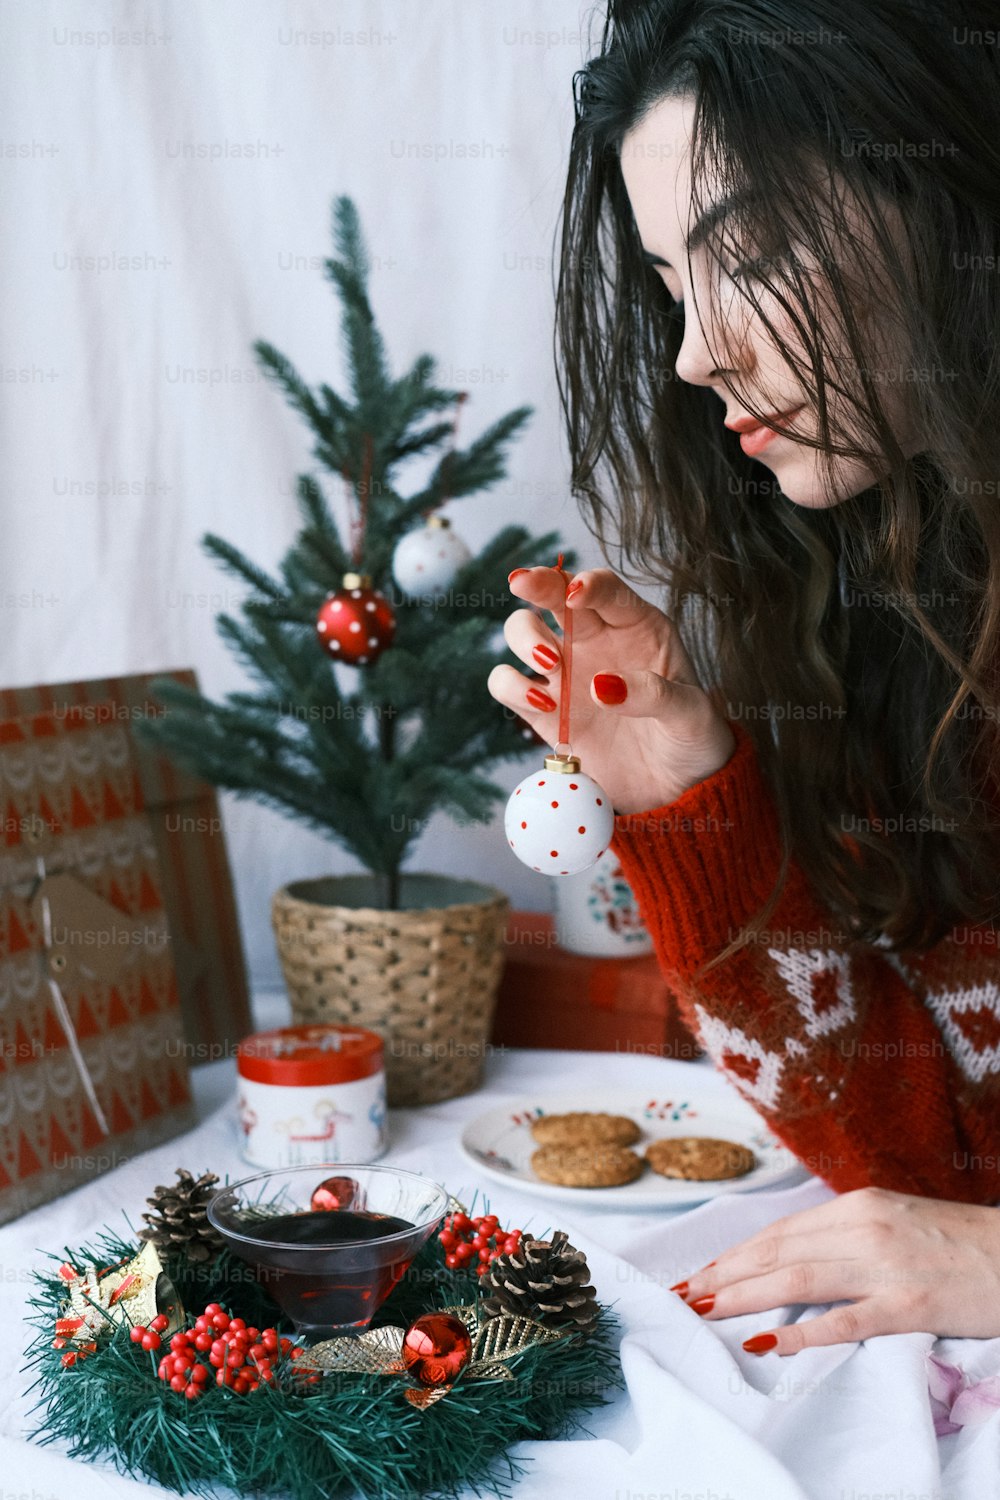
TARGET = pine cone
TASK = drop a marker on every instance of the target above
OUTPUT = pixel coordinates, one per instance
(545, 1280)
(180, 1225)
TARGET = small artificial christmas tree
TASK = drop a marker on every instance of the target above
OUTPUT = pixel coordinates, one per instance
(371, 710)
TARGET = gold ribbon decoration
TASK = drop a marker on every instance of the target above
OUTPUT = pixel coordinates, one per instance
(135, 1292)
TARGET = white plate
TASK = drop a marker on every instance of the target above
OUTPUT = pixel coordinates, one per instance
(500, 1143)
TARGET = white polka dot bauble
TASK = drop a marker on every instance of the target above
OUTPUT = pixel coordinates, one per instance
(426, 560)
(558, 820)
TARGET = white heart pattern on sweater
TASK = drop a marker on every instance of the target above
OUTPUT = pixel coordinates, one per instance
(820, 984)
(969, 1020)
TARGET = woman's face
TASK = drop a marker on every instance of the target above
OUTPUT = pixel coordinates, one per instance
(655, 164)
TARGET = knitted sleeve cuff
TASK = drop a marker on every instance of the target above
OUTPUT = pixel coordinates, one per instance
(702, 865)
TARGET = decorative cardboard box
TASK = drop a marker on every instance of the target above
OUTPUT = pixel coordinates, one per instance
(551, 998)
(195, 881)
(93, 1066)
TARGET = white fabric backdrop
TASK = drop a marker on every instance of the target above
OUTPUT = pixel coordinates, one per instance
(143, 256)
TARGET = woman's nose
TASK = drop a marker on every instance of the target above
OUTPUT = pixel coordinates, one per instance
(703, 359)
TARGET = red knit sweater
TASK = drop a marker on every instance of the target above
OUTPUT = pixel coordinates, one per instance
(873, 1068)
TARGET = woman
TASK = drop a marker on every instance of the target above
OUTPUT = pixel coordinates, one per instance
(777, 318)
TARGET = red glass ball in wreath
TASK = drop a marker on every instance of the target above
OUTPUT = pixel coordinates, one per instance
(333, 1193)
(355, 624)
(436, 1348)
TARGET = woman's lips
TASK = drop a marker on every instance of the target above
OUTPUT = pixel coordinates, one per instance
(754, 441)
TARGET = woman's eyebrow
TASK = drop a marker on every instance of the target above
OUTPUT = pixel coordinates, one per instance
(707, 222)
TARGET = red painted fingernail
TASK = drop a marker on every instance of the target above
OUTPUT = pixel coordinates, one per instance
(574, 588)
(545, 655)
(539, 699)
(711, 1263)
(760, 1343)
(513, 575)
(609, 687)
(704, 1304)
(680, 1286)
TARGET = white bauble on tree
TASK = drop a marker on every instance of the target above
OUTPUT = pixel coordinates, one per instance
(558, 820)
(426, 560)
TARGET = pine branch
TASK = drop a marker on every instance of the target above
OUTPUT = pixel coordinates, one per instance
(232, 750)
(238, 719)
(236, 562)
(274, 655)
(420, 442)
(348, 238)
(366, 352)
(398, 677)
(290, 614)
(298, 393)
(249, 646)
(337, 409)
(301, 582)
(323, 810)
(321, 561)
(418, 391)
(468, 471)
(335, 453)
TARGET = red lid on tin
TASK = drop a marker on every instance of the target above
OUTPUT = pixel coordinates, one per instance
(303, 1055)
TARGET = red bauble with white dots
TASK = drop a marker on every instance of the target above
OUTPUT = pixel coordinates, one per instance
(558, 820)
(355, 624)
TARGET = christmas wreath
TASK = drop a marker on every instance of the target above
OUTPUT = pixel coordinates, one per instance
(490, 1337)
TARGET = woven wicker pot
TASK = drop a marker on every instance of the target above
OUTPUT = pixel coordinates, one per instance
(424, 977)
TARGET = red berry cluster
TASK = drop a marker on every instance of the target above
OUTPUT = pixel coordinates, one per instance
(465, 1240)
(243, 1358)
(149, 1337)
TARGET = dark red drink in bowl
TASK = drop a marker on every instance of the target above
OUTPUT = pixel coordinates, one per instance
(329, 1268)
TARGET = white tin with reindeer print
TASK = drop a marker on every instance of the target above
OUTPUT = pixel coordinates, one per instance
(312, 1094)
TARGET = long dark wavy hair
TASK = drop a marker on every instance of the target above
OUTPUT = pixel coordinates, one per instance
(857, 642)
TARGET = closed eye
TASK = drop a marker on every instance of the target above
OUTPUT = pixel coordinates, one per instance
(751, 270)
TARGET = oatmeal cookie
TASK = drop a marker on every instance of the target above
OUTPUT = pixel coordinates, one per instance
(588, 1165)
(699, 1158)
(583, 1128)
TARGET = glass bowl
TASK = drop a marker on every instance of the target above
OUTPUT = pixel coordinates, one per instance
(329, 1268)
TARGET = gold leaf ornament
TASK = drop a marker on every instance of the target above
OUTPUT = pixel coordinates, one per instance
(508, 1334)
(376, 1351)
(379, 1351)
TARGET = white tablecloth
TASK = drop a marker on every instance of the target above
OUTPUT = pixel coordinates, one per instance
(701, 1419)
